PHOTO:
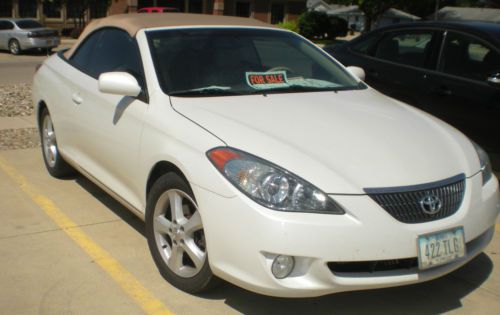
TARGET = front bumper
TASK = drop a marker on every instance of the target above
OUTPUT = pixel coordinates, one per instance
(43, 42)
(243, 238)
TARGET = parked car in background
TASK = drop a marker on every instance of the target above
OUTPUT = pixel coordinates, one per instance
(17, 35)
(255, 157)
(451, 70)
(158, 10)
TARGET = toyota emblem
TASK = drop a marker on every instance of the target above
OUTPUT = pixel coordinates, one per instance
(430, 204)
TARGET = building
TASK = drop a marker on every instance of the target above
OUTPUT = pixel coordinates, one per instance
(321, 6)
(467, 14)
(67, 14)
(356, 18)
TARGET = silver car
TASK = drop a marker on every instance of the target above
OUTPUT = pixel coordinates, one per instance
(17, 35)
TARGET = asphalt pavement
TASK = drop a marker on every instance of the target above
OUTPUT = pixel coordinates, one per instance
(20, 69)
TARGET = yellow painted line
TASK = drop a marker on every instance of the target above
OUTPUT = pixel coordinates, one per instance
(497, 227)
(142, 296)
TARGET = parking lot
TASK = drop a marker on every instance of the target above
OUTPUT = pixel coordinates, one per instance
(67, 247)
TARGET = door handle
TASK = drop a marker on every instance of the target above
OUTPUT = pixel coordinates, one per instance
(77, 99)
(444, 91)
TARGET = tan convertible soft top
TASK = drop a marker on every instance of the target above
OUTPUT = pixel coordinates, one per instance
(133, 22)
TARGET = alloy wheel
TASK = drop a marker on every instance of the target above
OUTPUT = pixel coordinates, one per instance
(178, 233)
(14, 47)
(49, 143)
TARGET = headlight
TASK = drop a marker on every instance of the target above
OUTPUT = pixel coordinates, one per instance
(485, 163)
(270, 185)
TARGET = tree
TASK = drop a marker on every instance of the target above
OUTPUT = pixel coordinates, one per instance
(314, 24)
(372, 9)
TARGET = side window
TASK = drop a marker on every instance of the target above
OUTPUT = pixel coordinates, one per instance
(405, 48)
(115, 50)
(6, 25)
(466, 57)
(82, 55)
(365, 45)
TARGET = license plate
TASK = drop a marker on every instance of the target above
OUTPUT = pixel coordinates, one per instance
(439, 248)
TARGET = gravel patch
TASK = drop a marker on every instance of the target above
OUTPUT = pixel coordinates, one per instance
(13, 139)
(15, 100)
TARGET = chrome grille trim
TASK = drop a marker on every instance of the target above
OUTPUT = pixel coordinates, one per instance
(403, 203)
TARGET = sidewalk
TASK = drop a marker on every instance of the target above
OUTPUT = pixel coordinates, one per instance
(18, 132)
(18, 122)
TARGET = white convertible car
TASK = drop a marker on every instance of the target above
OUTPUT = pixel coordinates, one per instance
(256, 158)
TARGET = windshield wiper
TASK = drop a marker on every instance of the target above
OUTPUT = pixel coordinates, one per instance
(303, 88)
(294, 88)
(209, 90)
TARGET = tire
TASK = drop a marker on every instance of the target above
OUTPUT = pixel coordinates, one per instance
(54, 162)
(177, 241)
(14, 47)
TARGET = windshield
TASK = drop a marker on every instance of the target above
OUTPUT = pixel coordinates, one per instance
(28, 24)
(200, 62)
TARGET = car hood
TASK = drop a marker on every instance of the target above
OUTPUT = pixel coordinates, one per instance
(342, 142)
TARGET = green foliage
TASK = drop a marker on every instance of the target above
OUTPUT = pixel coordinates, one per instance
(315, 24)
(291, 25)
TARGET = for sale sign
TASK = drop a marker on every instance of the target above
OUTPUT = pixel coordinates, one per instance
(267, 80)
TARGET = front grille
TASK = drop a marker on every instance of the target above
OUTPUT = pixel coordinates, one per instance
(401, 264)
(372, 266)
(405, 203)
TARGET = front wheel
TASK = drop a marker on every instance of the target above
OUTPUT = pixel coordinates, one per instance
(54, 162)
(176, 236)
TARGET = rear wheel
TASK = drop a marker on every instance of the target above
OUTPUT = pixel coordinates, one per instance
(54, 162)
(176, 236)
(14, 47)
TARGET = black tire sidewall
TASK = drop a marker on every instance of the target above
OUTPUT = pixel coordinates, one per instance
(205, 278)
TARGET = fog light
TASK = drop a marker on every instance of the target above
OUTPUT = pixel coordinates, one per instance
(282, 266)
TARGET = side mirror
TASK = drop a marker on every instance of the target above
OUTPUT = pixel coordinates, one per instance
(494, 79)
(357, 72)
(120, 83)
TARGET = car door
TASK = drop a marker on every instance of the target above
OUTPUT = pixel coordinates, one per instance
(395, 61)
(108, 128)
(460, 92)
(401, 59)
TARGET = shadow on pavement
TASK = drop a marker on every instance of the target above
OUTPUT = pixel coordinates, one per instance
(31, 52)
(433, 297)
(437, 296)
(113, 205)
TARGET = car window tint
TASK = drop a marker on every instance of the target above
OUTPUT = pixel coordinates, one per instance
(6, 25)
(365, 45)
(27, 24)
(115, 50)
(405, 48)
(82, 55)
(466, 57)
(223, 60)
(271, 56)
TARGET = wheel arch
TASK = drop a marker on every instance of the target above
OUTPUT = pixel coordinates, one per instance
(14, 38)
(161, 168)
(40, 106)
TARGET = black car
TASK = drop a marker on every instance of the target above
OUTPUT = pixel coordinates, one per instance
(451, 70)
